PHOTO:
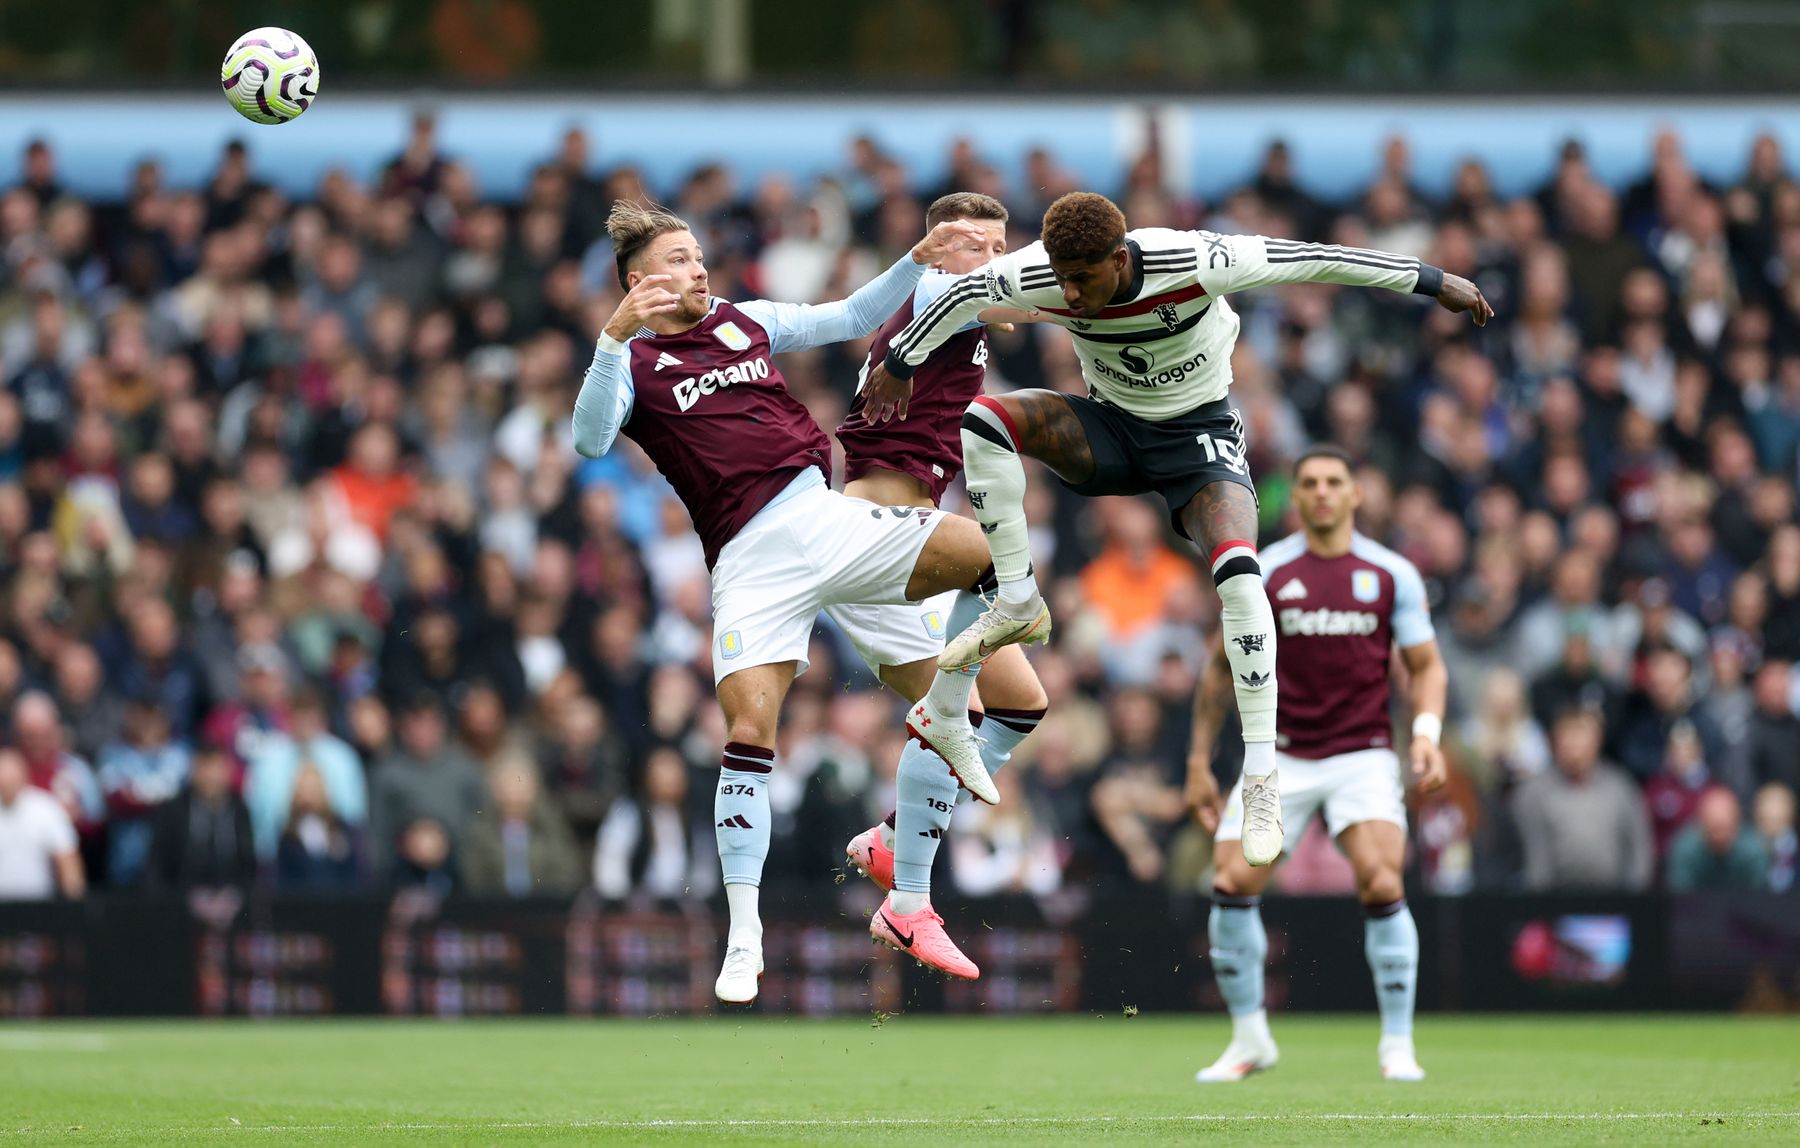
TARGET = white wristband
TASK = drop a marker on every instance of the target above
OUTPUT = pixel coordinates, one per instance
(1428, 726)
(608, 345)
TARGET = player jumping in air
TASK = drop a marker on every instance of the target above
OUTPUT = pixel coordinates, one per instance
(1154, 336)
(910, 463)
(692, 380)
(1343, 603)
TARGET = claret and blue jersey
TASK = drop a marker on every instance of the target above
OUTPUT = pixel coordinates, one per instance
(1337, 621)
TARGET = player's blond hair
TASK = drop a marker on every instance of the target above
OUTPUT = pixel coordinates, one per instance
(632, 226)
(964, 205)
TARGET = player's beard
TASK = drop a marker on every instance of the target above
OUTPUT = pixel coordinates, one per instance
(693, 309)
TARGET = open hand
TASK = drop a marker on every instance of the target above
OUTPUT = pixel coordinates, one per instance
(884, 396)
(952, 235)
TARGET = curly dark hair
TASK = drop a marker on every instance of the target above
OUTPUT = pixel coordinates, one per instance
(1083, 227)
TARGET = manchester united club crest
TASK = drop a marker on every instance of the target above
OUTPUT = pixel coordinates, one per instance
(1365, 586)
(1170, 316)
(732, 337)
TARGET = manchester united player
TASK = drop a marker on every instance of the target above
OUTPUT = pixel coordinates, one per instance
(1154, 334)
(691, 379)
(910, 463)
(1343, 603)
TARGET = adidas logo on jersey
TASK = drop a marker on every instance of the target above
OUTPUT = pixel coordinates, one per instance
(1292, 592)
(666, 360)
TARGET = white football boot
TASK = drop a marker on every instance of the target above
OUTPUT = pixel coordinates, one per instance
(1262, 839)
(741, 977)
(1252, 1050)
(993, 629)
(1398, 1062)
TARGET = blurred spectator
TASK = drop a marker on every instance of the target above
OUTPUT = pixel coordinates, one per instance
(317, 851)
(138, 774)
(1583, 824)
(1137, 801)
(650, 843)
(278, 763)
(584, 764)
(1675, 792)
(38, 854)
(519, 846)
(1504, 742)
(1773, 739)
(1004, 848)
(1666, 701)
(425, 859)
(261, 714)
(1773, 817)
(202, 836)
(1718, 852)
(158, 665)
(37, 730)
(1134, 586)
(426, 778)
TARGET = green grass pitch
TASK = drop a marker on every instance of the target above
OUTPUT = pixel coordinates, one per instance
(908, 1080)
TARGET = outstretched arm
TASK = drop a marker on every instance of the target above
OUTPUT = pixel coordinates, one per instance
(1239, 262)
(797, 326)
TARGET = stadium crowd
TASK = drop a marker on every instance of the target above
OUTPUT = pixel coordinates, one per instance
(302, 583)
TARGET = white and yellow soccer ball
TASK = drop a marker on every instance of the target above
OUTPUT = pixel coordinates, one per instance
(270, 76)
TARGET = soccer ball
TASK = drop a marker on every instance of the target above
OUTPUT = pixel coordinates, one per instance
(270, 76)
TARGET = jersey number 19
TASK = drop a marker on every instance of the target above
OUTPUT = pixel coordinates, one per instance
(1225, 450)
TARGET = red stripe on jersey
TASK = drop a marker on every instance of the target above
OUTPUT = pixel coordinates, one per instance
(1141, 307)
(1224, 546)
(1011, 430)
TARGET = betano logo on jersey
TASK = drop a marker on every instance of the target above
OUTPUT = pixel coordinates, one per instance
(1328, 623)
(688, 391)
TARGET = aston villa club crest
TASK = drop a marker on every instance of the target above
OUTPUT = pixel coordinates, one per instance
(1365, 586)
(732, 337)
(1169, 314)
(934, 626)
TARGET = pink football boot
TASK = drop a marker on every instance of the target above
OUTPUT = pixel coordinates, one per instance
(868, 856)
(921, 936)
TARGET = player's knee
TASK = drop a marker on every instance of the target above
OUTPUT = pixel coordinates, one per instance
(1009, 690)
(1382, 885)
(1233, 876)
(751, 730)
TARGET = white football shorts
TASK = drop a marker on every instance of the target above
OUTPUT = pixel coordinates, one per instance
(1349, 788)
(817, 550)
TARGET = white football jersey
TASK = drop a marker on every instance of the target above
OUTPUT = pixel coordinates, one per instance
(1165, 347)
